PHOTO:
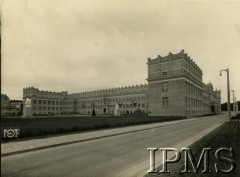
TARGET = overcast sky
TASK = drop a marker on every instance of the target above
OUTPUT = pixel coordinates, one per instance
(79, 45)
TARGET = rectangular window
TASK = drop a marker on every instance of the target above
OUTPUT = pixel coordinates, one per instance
(165, 73)
(165, 101)
(164, 87)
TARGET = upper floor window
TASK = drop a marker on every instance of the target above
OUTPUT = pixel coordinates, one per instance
(164, 87)
(164, 73)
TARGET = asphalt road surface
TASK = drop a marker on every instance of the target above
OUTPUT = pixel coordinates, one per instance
(121, 155)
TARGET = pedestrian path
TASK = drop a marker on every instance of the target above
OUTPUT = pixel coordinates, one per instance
(40, 143)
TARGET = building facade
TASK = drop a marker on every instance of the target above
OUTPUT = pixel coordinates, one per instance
(175, 88)
(130, 100)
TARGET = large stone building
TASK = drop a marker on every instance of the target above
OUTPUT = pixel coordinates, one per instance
(175, 88)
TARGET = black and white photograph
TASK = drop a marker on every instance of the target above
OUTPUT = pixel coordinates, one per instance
(120, 88)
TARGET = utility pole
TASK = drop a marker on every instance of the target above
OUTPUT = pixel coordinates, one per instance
(228, 92)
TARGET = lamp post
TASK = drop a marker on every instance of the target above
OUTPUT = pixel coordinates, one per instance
(234, 104)
(233, 100)
(228, 92)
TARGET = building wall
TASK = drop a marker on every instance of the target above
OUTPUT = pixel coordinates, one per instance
(166, 98)
(45, 102)
(187, 95)
(129, 99)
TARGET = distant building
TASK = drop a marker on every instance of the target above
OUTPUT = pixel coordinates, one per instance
(129, 99)
(175, 88)
(10, 107)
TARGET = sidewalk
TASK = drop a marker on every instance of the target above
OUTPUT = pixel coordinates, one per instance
(43, 143)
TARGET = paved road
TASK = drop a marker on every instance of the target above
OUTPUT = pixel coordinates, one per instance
(121, 155)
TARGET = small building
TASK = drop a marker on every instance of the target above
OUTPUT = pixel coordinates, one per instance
(11, 107)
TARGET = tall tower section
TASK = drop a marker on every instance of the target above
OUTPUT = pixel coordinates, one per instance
(174, 86)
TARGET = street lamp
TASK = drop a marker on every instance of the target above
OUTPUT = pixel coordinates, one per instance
(228, 92)
(233, 99)
(234, 103)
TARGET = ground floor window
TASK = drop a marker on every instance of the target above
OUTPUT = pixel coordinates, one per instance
(164, 101)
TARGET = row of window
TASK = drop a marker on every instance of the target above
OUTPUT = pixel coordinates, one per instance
(190, 88)
(53, 102)
(194, 112)
(193, 103)
(117, 100)
(190, 102)
(105, 101)
(193, 71)
(39, 108)
(111, 112)
(113, 106)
